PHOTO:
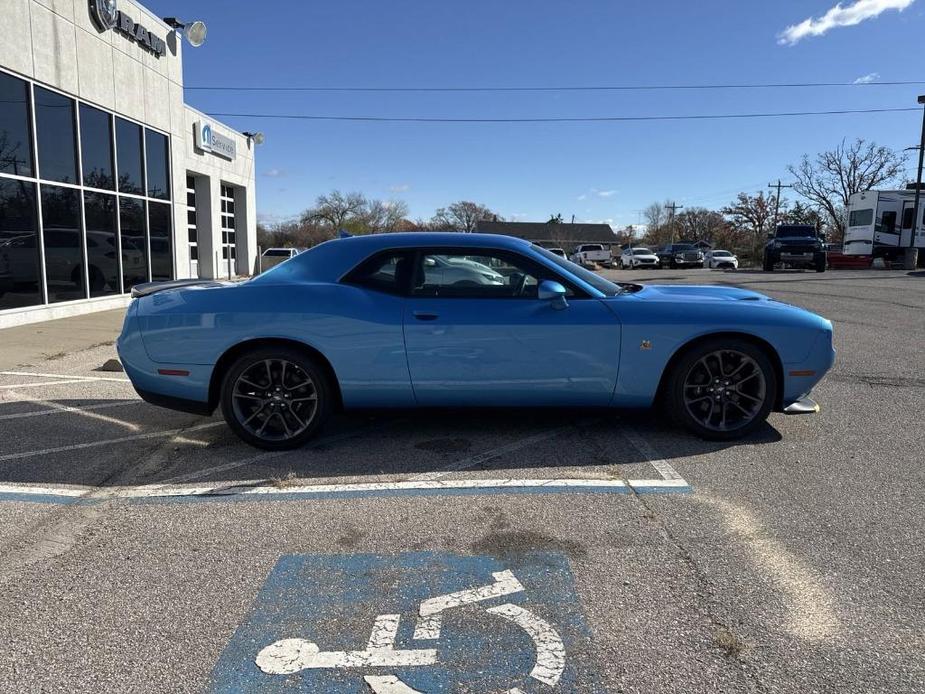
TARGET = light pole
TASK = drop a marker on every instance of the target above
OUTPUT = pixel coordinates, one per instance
(912, 252)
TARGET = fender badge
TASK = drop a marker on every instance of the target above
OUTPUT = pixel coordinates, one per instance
(646, 344)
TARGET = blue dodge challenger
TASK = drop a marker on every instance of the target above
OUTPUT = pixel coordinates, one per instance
(442, 319)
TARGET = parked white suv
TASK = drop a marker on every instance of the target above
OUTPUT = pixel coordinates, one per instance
(638, 257)
(723, 260)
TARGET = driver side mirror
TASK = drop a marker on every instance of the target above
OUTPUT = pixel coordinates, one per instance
(554, 293)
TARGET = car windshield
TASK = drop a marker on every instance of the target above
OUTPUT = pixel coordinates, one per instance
(641, 251)
(277, 253)
(683, 247)
(605, 287)
(721, 254)
(796, 231)
(592, 248)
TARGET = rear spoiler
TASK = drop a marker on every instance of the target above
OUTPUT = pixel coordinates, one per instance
(149, 288)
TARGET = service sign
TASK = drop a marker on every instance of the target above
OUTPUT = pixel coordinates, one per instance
(208, 140)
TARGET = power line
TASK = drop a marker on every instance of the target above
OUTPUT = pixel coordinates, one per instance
(564, 88)
(565, 119)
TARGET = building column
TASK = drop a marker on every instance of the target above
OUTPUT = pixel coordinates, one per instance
(245, 206)
(208, 225)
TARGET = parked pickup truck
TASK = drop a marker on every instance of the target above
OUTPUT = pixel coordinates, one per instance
(592, 254)
(795, 245)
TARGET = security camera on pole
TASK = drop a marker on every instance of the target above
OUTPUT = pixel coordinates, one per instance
(912, 252)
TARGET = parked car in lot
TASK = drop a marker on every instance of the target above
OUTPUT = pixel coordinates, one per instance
(558, 251)
(638, 257)
(720, 260)
(380, 321)
(592, 254)
(795, 245)
(676, 255)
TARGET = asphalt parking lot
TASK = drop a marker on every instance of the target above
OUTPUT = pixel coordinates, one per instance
(492, 552)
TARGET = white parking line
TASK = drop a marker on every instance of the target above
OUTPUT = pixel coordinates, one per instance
(257, 488)
(652, 456)
(107, 442)
(69, 376)
(61, 409)
(44, 384)
(550, 651)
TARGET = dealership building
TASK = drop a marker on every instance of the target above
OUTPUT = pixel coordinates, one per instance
(107, 178)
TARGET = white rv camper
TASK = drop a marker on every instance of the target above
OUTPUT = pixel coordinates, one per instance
(880, 222)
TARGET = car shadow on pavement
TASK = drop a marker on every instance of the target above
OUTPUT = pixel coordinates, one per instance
(130, 443)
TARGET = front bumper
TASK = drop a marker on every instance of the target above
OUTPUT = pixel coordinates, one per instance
(803, 406)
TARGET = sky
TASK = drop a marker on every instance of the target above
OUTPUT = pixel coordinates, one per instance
(597, 171)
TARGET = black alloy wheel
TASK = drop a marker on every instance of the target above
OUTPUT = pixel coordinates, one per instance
(275, 398)
(722, 389)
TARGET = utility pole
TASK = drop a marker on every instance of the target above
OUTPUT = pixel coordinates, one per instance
(674, 207)
(912, 252)
(777, 185)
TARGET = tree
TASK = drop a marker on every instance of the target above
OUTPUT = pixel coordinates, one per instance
(700, 224)
(836, 175)
(753, 216)
(354, 213)
(461, 216)
(335, 208)
(801, 214)
(555, 218)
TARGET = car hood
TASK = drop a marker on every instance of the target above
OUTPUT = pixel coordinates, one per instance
(698, 293)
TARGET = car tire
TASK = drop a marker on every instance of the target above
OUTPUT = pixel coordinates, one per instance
(744, 384)
(275, 398)
(820, 265)
(768, 265)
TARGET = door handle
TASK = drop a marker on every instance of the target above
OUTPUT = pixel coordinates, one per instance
(425, 315)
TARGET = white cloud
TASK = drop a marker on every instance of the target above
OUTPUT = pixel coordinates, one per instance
(868, 78)
(605, 193)
(839, 16)
(274, 173)
(400, 188)
(583, 196)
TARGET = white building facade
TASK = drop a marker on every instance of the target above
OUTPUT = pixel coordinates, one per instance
(107, 178)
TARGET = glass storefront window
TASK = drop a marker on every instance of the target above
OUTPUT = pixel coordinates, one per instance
(20, 274)
(54, 124)
(64, 273)
(15, 141)
(85, 197)
(161, 255)
(102, 248)
(96, 147)
(128, 150)
(134, 245)
(158, 159)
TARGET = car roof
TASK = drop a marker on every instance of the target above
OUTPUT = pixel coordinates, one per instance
(329, 261)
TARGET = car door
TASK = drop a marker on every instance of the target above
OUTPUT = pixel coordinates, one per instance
(478, 340)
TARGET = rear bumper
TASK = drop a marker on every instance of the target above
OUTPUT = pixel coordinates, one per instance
(187, 393)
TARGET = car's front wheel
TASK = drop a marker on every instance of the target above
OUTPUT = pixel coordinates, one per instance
(275, 398)
(722, 389)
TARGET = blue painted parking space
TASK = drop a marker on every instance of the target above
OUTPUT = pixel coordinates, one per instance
(415, 622)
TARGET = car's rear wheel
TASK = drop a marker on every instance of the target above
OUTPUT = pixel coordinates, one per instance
(722, 389)
(275, 398)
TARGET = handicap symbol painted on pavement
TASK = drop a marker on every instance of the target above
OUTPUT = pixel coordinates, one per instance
(416, 623)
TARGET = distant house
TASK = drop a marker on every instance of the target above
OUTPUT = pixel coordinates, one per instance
(562, 235)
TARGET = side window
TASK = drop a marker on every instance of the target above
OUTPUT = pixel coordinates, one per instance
(386, 272)
(477, 274)
(907, 218)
